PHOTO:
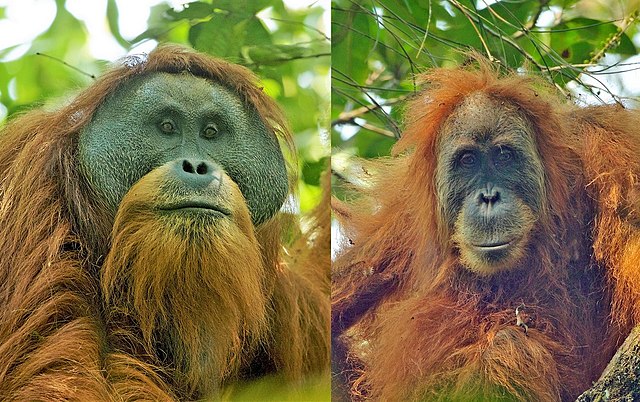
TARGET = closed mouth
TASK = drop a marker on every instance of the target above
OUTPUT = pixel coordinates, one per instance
(197, 206)
(497, 246)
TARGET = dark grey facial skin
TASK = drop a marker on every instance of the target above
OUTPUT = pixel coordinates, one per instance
(490, 181)
(161, 117)
(487, 145)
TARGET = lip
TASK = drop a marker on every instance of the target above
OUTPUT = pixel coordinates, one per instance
(497, 246)
(197, 206)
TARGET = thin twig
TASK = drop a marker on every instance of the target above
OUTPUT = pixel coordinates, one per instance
(66, 64)
(475, 28)
(615, 39)
(376, 129)
(526, 28)
(346, 117)
(426, 33)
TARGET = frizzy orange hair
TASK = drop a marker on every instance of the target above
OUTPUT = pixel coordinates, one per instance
(62, 127)
(425, 114)
(56, 337)
(434, 330)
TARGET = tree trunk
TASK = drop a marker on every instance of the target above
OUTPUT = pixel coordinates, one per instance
(620, 381)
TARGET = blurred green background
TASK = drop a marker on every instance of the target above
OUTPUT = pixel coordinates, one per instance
(51, 48)
(587, 48)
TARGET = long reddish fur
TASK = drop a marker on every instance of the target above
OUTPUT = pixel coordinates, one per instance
(409, 323)
(55, 340)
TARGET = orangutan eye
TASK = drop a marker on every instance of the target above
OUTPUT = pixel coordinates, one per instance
(167, 126)
(210, 131)
(467, 159)
(504, 156)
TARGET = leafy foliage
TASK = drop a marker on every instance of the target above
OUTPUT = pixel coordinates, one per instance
(379, 46)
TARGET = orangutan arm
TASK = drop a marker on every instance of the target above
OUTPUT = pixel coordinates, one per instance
(300, 326)
(466, 359)
(610, 145)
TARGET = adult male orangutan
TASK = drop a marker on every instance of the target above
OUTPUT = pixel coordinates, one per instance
(140, 236)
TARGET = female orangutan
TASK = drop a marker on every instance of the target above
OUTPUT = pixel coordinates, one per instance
(489, 253)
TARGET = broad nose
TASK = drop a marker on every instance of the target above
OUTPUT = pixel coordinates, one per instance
(196, 173)
(489, 195)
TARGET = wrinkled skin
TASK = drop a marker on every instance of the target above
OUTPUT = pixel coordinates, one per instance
(490, 183)
(162, 117)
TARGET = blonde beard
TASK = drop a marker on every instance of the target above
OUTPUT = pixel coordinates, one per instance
(185, 288)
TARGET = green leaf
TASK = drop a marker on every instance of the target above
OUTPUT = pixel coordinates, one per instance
(511, 16)
(191, 11)
(577, 52)
(243, 7)
(312, 170)
(151, 33)
(158, 16)
(216, 36)
(565, 4)
(404, 11)
(591, 32)
(351, 44)
(255, 33)
(625, 46)
(274, 54)
(114, 27)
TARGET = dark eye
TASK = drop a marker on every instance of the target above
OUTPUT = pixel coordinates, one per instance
(210, 131)
(167, 126)
(467, 159)
(504, 155)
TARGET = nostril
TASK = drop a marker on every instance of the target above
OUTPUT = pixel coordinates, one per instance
(202, 168)
(187, 166)
(490, 197)
(196, 173)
